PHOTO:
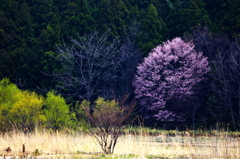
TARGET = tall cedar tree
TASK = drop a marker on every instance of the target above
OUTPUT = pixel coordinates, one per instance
(110, 17)
(153, 29)
(231, 19)
(178, 19)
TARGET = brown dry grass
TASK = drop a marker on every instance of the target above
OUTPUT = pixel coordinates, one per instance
(128, 146)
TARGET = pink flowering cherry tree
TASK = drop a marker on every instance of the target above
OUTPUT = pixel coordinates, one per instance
(170, 71)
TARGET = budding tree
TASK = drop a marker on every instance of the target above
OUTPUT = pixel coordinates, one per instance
(169, 72)
(108, 119)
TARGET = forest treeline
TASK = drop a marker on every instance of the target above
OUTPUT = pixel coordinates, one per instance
(33, 31)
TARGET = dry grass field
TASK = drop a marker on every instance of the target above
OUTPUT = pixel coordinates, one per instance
(74, 145)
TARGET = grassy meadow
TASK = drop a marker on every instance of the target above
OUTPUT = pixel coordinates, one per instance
(134, 143)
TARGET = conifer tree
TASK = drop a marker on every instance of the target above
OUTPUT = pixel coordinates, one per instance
(230, 23)
(153, 28)
(105, 18)
(111, 14)
(184, 17)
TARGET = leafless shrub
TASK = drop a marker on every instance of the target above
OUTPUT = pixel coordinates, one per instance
(108, 118)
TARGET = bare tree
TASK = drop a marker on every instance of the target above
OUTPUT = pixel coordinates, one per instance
(222, 89)
(108, 120)
(235, 58)
(204, 41)
(87, 63)
(226, 81)
(131, 55)
(21, 82)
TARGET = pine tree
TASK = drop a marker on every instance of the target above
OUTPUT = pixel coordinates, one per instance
(111, 14)
(154, 30)
(184, 17)
(105, 20)
(231, 18)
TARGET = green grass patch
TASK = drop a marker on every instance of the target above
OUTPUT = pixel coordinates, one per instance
(172, 133)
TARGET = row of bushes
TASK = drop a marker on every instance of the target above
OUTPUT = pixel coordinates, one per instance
(24, 109)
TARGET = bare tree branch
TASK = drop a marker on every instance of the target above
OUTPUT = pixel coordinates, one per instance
(108, 119)
(89, 62)
(226, 77)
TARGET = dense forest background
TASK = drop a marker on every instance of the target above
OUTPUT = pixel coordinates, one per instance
(30, 30)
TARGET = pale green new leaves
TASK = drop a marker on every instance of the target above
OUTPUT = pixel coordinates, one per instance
(105, 107)
(7, 98)
(57, 111)
(7, 94)
(27, 110)
(101, 106)
(104, 111)
(19, 108)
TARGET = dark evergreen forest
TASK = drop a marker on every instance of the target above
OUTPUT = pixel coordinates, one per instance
(31, 30)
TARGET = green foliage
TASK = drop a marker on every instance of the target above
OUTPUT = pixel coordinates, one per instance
(230, 21)
(182, 18)
(82, 119)
(36, 152)
(27, 110)
(32, 29)
(104, 107)
(22, 109)
(7, 99)
(57, 112)
(7, 91)
(108, 117)
(110, 17)
(154, 29)
(77, 18)
(103, 111)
